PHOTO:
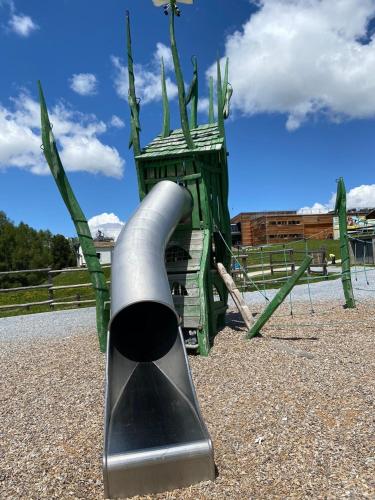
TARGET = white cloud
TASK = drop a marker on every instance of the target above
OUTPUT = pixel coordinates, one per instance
(304, 58)
(109, 224)
(117, 122)
(87, 153)
(359, 197)
(317, 208)
(203, 105)
(76, 133)
(22, 25)
(162, 51)
(84, 84)
(147, 77)
(19, 23)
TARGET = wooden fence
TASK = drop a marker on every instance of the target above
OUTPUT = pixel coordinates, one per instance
(273, 263)
(52, 302)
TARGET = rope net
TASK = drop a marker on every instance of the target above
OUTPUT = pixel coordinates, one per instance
(264, 269)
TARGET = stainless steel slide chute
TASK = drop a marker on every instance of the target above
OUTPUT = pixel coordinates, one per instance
(155, 437)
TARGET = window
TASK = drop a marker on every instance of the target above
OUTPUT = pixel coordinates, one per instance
(98, 254)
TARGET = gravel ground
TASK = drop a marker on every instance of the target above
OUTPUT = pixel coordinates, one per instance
(290, 413)
(59, 324)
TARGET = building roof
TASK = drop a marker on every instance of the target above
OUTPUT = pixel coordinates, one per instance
(276, 213)
(103, 244)
(205, 137)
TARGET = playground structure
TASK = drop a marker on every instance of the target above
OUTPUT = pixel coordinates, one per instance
(169, 288)
(165, 287)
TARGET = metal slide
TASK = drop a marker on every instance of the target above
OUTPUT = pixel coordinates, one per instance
(155, 437)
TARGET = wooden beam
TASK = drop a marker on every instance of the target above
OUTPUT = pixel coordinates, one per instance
(241, 305)
(279, 298)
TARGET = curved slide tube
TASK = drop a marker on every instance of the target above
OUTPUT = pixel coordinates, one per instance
(155, 437)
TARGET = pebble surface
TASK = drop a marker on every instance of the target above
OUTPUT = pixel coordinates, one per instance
(290, 413)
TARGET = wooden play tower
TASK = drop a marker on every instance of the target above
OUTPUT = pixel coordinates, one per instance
(196, 157)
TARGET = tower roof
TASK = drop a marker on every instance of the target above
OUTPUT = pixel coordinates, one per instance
(205, 137)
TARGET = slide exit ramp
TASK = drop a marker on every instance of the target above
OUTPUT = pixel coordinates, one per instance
(155, 437)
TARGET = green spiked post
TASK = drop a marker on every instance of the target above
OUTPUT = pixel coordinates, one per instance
(225, 82)
(220, 105)
(133, 103)
(279, 298)
(179, 79)
(227, 92)
(166, 113)
(340, 210)
(211, 113)
(93, 265)
(193, 96)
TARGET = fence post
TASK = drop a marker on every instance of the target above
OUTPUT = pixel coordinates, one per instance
(50, 290)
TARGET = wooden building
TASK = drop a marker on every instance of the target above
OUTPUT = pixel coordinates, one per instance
(103, 252)
(261, 228)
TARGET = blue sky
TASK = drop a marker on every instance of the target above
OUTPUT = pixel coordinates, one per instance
(303, 108)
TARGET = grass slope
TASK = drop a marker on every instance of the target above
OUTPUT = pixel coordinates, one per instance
(66, 295)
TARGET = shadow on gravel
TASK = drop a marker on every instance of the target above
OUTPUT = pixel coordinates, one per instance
(294, 338)
(234, 321)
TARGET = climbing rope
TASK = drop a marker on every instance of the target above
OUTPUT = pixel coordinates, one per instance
(263, 279)
(287, 275)
(362, 242)
(364, 264)
(247, 278)
(355, 261)
(259, 255)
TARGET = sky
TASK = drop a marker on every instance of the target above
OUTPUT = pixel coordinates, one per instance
(302, 111)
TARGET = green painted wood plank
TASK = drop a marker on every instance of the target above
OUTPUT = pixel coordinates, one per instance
(190, 277)
(186, 300)
(185, 178)
(188, 311)
(180, 266)
(191, 322)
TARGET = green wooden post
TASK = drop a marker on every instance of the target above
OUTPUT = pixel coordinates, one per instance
(227, 92)
(179, 78)
(204, 333)
(219, 91)
(193, 96)
(93, 265)
(278, 298)
(133, 104)
(225, 82)
(340, 210)
(211, 113)
(166, 114)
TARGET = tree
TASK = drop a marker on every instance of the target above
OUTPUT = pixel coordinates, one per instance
(22, 247)
(62, 253)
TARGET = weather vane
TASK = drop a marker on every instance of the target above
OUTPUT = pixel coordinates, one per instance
(168, 4)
